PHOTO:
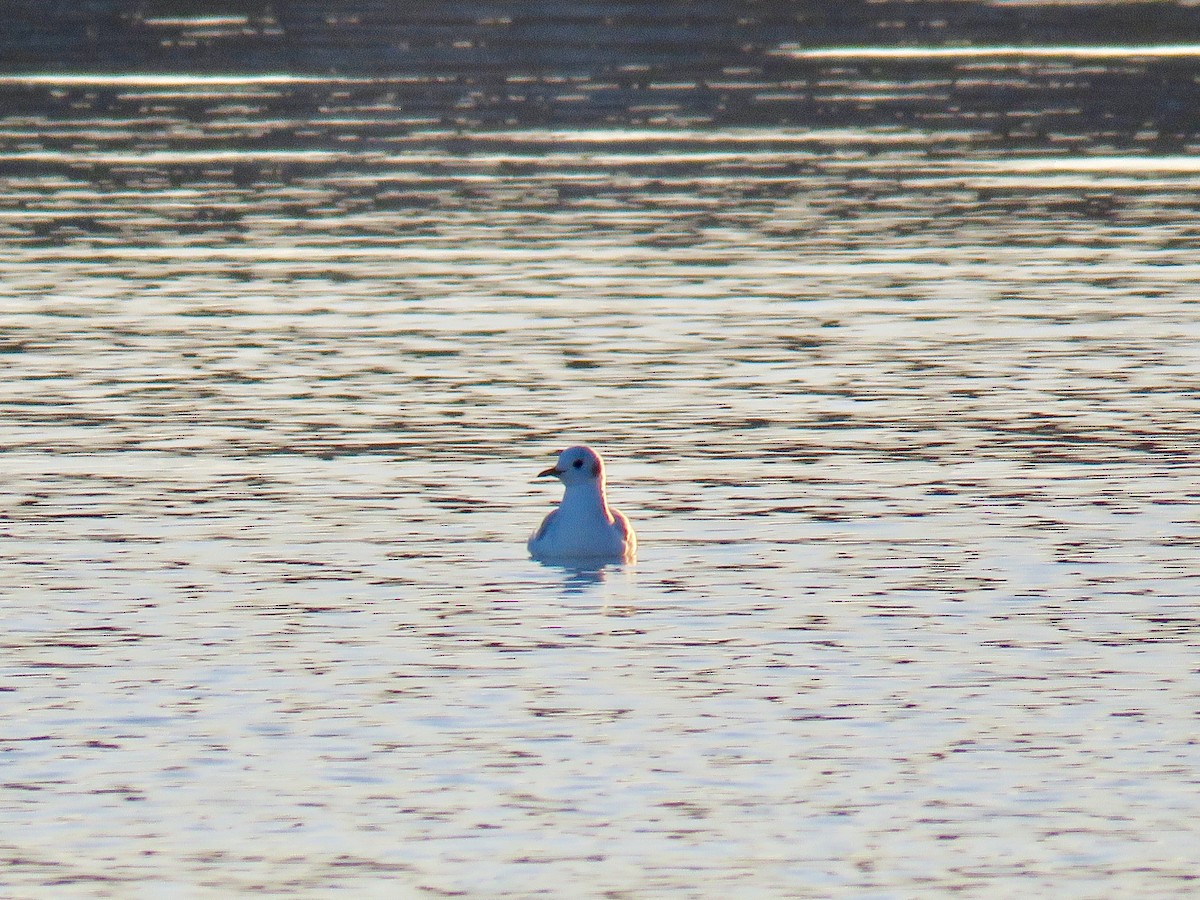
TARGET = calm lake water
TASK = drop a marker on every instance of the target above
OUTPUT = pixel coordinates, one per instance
(905, 417)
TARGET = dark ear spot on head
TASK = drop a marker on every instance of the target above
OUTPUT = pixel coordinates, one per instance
(595, 470)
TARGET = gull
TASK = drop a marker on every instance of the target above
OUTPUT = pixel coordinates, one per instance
(583, 527)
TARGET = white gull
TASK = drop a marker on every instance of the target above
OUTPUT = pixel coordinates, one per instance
(583, 527)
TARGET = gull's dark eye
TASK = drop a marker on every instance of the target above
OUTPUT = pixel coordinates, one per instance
(577, 464)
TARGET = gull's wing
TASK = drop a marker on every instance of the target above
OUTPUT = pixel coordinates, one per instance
(546, 523)
(628, 536)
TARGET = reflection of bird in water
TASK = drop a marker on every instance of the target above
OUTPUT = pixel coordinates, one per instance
(583, 527)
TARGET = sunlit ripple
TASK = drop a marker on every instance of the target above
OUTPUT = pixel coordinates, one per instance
(172, 79)
(1128, 51)
(738, 151)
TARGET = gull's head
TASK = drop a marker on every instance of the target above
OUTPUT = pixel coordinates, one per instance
(577, 465)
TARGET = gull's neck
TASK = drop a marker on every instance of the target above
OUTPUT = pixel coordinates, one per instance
(588, 496)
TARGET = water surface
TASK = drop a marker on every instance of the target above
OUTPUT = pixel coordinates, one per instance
(904, 416)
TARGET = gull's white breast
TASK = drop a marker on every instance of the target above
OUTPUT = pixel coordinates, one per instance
(572, 532)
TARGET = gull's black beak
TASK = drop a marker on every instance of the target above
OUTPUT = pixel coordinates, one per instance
(553, 470)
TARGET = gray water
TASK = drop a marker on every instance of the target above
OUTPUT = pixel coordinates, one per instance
(905, 420)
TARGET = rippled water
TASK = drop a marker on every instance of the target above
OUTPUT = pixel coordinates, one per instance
(905, 420)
